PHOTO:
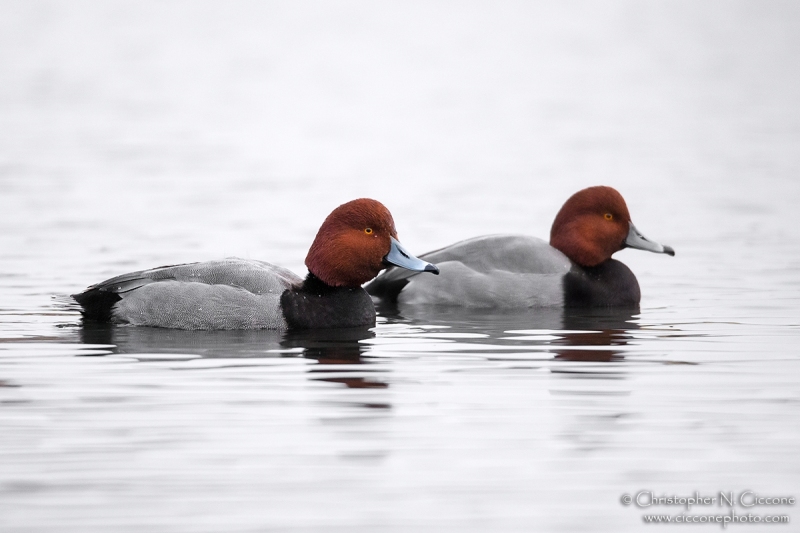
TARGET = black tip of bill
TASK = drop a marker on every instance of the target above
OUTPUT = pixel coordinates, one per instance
(433, 269)
(398, 256)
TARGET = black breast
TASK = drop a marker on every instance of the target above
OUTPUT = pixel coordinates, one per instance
(316, 305)
(609, 284)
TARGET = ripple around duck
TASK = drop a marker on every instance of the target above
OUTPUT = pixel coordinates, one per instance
(146, 412)
(414, 402)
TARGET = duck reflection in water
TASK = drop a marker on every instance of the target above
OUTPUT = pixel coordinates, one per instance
(335, 350)
(589, 330)
(582, 334)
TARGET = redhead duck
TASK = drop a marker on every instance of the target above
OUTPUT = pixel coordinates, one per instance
(356, 241)
(514, 271)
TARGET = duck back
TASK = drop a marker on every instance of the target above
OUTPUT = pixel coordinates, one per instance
(225, 294)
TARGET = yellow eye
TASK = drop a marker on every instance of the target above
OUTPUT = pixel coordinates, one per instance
(608, 216)
(368, 231)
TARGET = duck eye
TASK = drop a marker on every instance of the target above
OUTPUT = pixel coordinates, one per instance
(368, 231)
(608, 216)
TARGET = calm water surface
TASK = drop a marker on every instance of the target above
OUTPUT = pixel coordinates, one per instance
(134, 135)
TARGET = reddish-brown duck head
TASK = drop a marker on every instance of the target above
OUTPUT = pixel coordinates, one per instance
(593, 224)
(357, 241)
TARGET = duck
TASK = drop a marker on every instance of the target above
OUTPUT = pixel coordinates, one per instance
(355, 242)
(575, 269)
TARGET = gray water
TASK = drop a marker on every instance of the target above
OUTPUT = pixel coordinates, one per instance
(136, 134)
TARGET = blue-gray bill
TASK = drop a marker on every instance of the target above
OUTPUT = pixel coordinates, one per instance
(640, 242)
(398, 256)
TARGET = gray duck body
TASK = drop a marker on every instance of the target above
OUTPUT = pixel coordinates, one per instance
(509, 272)
(223, 294)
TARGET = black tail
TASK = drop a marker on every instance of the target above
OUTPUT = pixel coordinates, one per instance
(97, 303)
